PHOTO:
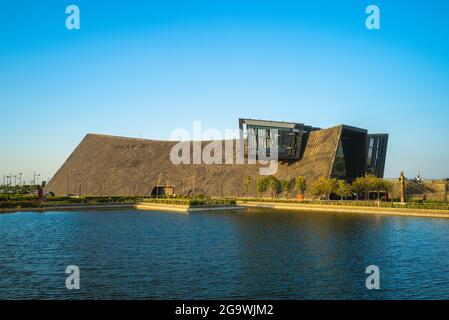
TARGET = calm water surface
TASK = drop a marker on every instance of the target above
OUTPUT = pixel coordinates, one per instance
(256, 254)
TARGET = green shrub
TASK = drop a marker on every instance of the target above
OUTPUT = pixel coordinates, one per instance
(262, 185)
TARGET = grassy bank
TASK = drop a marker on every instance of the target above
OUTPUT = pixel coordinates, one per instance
(424, 205)
(345, 208)
(18, 202)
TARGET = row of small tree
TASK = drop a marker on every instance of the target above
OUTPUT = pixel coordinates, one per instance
(370, 183)
(275, 186)
(323, 187)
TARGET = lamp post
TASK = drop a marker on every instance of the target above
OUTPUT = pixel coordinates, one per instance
(15, 183)
(8, 182)
(4, 184)
(76, 175)
(100, 181)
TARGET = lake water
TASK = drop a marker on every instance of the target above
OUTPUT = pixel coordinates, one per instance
(255, 254)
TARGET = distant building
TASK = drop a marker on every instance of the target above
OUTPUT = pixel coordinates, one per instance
(108, 165)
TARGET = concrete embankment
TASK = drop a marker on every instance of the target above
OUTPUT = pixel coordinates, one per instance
(242, 205)
(184, 208)
(72, 207)
(348, 209)
(162, 206)
(138, 206)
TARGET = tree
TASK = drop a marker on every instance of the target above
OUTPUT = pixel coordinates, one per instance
(246, 184)
(316, 188)
(387, 186)
(274, 185)
(331, 186)
(343, 189)
(262, 185)
(323, 187)
(382, 186)
(359, 186)
(371, 184)
(285, 186)
(300, 184)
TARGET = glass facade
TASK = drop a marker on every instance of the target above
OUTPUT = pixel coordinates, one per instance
(350, 159)
(263, 136)
(339, 168)
(376, 153)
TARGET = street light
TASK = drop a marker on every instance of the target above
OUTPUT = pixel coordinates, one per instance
(4, 184)
(100, 182)
(8, 183)
(15, 183)
(20, 182)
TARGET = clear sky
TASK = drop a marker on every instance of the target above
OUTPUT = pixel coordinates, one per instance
(144, 68)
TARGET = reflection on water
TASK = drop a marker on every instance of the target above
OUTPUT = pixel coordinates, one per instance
(259, 254)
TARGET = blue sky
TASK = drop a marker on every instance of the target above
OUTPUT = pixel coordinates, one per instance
(144, 68)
